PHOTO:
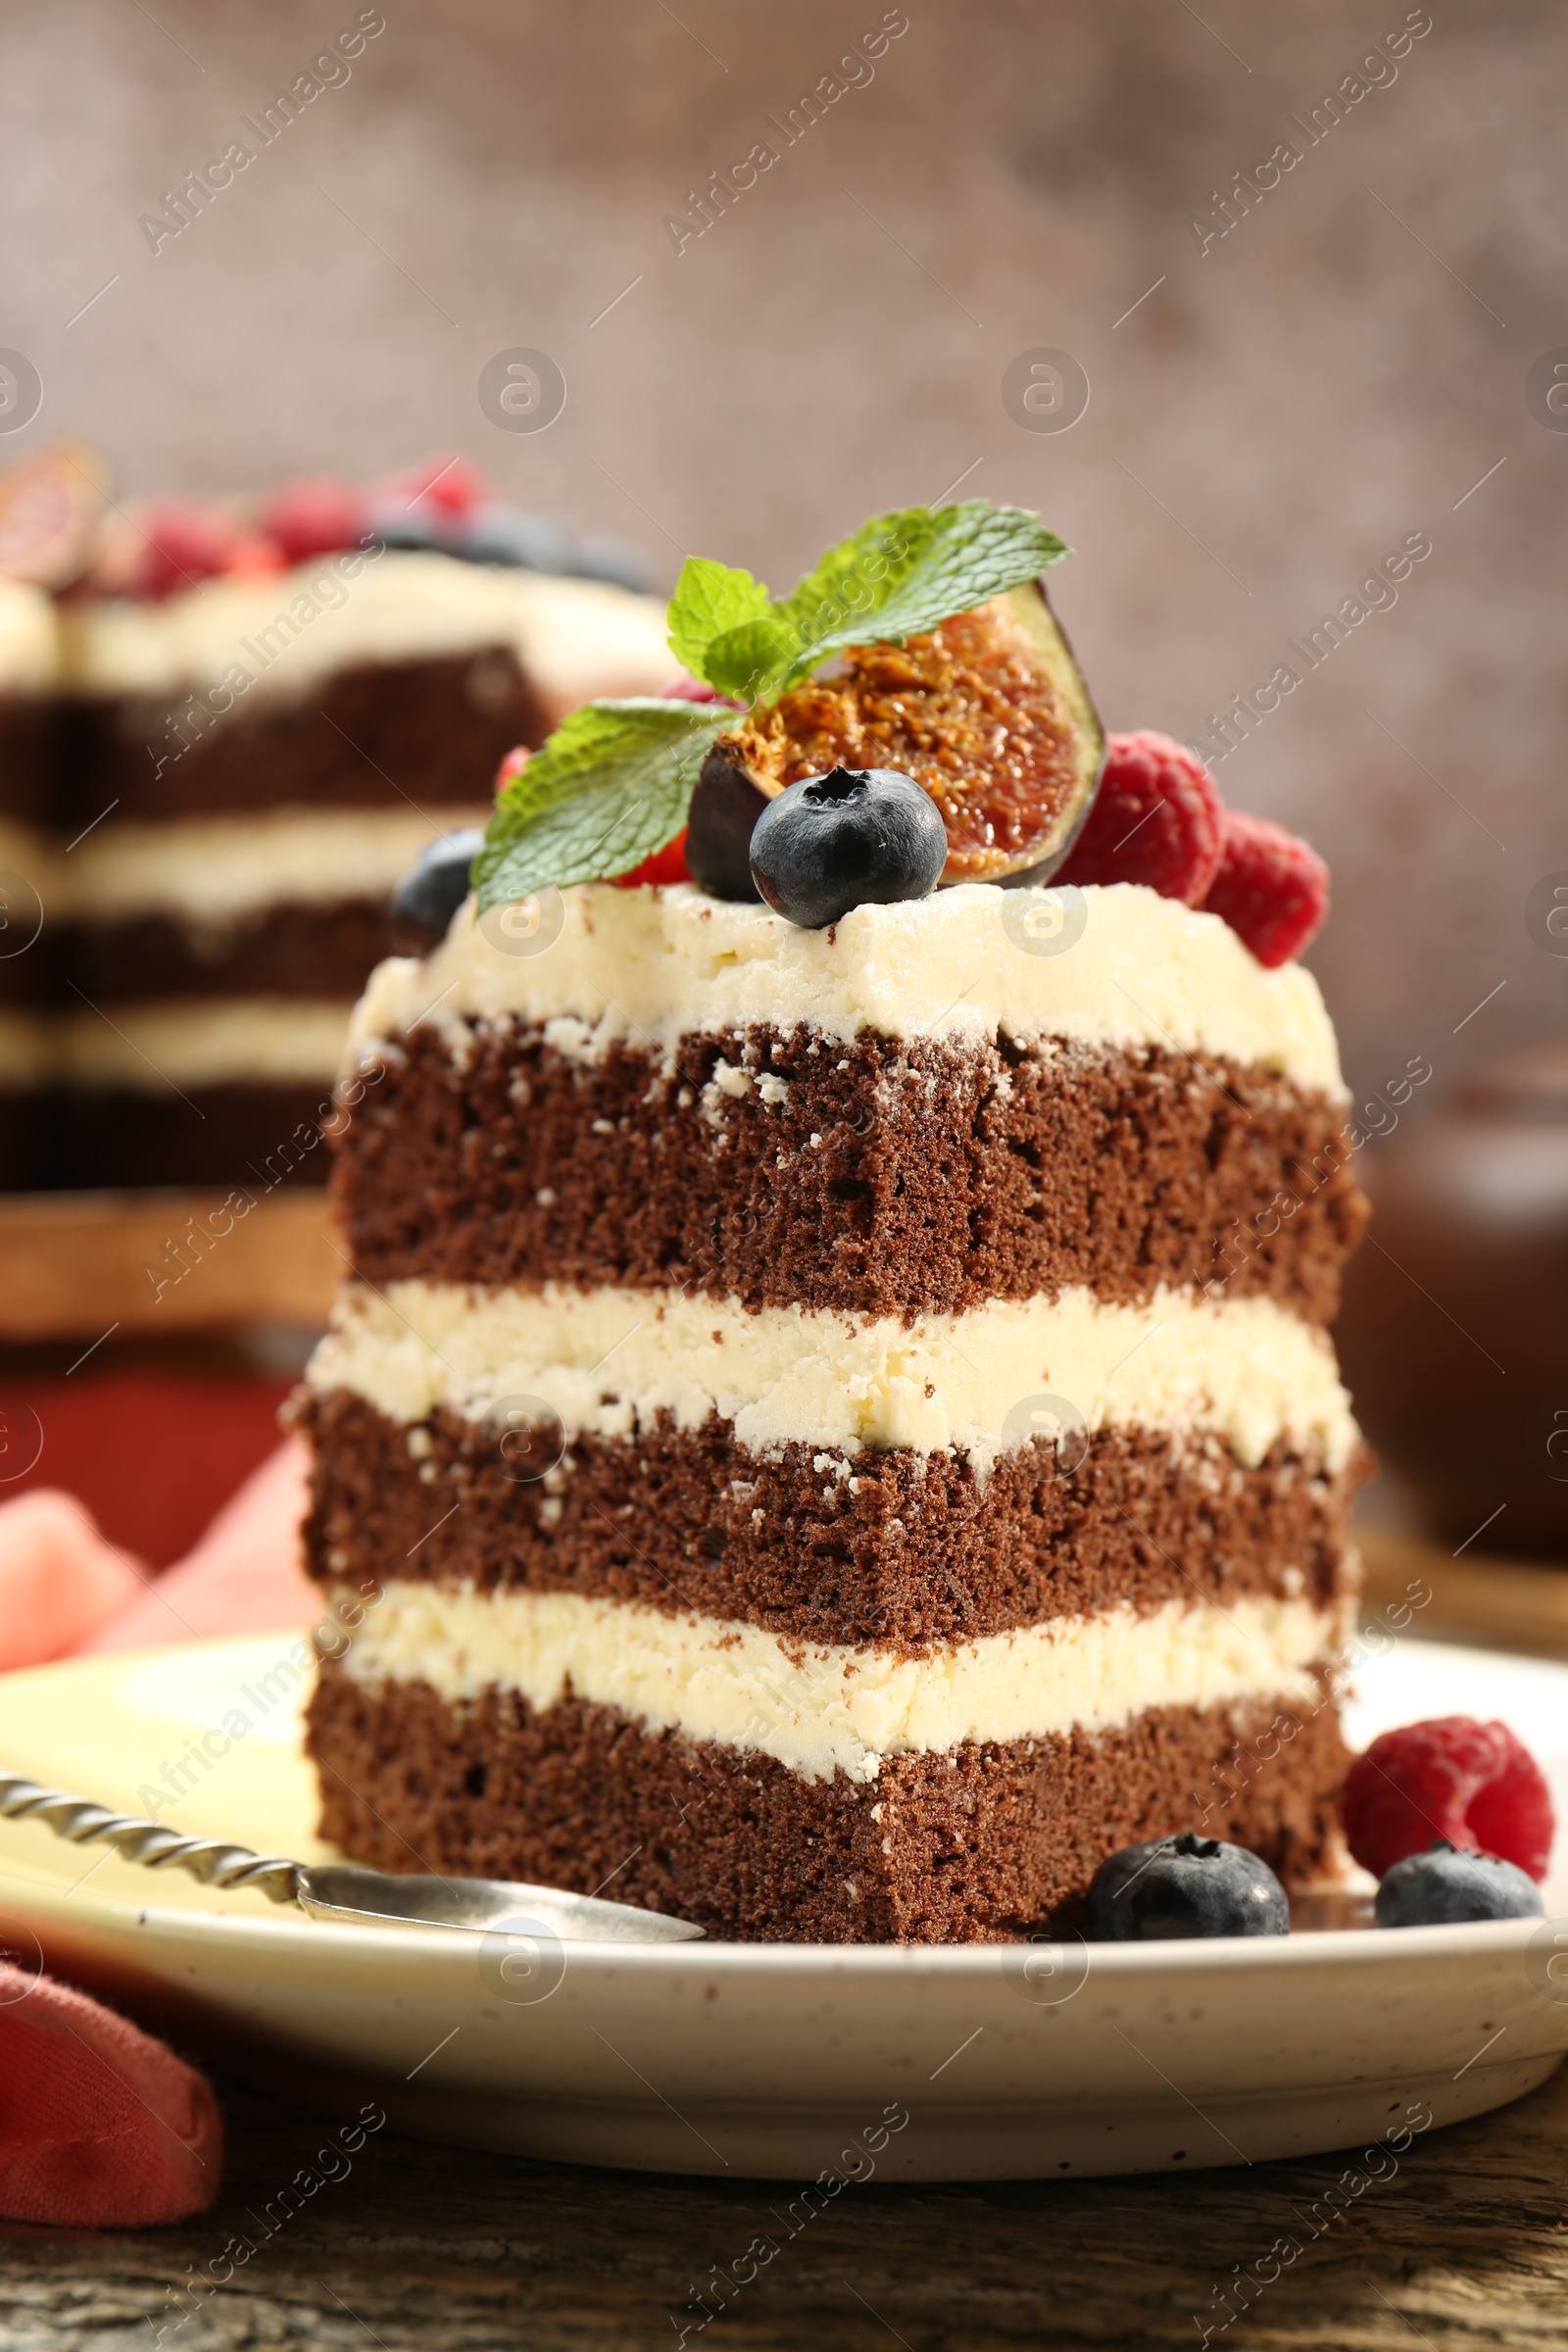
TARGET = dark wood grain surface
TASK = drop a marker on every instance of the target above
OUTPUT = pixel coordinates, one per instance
(1466, 2245)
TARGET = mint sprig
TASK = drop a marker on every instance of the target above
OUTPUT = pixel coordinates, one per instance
(609, 789)
(897, 576)
(612, 783)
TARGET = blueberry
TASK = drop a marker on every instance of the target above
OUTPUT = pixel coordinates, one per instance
(610, 560)
(501, 534)
(496, 533)
(409, 532)
(1186, 1885)
(1446, 1886)
(425, 900)
(856, 837)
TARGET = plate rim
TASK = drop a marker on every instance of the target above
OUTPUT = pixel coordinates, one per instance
(1346, 1948)
(270, 1931)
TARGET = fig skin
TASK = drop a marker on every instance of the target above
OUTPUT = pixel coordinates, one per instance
(726, 805)
(987, 712)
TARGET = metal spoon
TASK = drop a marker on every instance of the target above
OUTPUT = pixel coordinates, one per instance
(342, 1891)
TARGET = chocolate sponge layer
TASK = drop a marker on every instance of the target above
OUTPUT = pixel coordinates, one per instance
(378, 734)
(28, 731)
(253, 1135)
(908, 1552)
(290, 948)
(970, 1846)
(880, 1177)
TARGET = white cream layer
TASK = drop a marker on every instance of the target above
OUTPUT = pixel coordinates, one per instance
(214, 869)
(661, 964)
(26, 851)
(30, 639)
(608, 1360)
(574, 638)
(825, 1707)
(211, 1041)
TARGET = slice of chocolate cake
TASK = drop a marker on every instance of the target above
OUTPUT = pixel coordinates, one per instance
(722, 1289)
(833, 1400)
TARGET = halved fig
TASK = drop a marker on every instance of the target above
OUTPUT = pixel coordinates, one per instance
(51, 506)
(987, 712)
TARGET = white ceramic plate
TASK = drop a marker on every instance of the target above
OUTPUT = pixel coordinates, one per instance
(958, 2062)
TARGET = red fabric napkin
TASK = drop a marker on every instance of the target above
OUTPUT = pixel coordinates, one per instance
(101, 2128)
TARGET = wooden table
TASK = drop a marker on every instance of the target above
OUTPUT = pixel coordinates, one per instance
(1492, 1604)
(75, 1265)
(424, 2246)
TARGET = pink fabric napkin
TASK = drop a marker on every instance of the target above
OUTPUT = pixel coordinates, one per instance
(101, 2128)
(58, 1580)
(65, 1591)
(244, 1575)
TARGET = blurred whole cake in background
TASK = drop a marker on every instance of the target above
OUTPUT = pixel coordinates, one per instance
(225, 731)
(29, 669)
(1453, 1328)
(834, 1401)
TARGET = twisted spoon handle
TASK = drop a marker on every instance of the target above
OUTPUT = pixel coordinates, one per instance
(146, 1842)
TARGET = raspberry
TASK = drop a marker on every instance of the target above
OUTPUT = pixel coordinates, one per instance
(690, 689)
(314, 515)
(1271, 888)
(185, 544)
(1156, 819)
(511, 766)
(667, 864)
(256, 557)
(438, 486)
(1471, 1782)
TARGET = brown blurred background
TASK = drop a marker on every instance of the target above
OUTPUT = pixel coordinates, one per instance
(1285, 408)
(1271, 410)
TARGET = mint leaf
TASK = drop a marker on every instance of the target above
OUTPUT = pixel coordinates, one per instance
(903, 573)
(609, 789)
(848, 585)
(750, 660)
(894, 577)
(710, 598)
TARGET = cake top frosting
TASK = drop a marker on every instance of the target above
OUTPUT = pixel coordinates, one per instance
(370, 605)
(1115, 966)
